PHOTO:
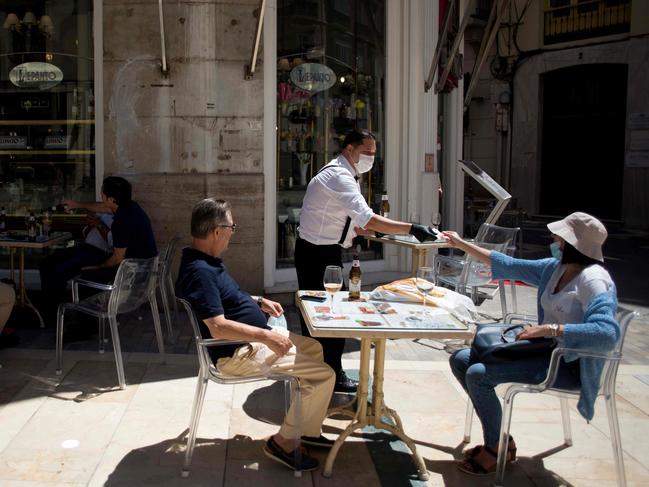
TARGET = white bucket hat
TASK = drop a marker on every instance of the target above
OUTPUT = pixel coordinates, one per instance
(583, 231)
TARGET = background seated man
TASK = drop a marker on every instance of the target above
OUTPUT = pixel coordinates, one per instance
(64, 264)
(131, 228)
(225, 312)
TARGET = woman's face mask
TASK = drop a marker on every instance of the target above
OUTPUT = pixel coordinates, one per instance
(364, 163)
(555, 250)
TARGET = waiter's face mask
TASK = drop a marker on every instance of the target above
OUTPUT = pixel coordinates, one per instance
(364, 163)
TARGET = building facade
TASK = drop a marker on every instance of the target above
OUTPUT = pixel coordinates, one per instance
(157, 92)
(560, 115)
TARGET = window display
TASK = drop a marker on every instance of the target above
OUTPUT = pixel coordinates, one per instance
(47, 104)
(330, 79)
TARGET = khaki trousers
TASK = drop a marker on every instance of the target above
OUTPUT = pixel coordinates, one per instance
(303, 361)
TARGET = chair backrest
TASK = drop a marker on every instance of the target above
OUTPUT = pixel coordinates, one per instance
(203, 356)
(134, 282)
(167, 256)
(489, 233)
(624, 318)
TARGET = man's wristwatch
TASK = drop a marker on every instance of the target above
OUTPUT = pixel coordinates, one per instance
(554, 329)
(260, 300)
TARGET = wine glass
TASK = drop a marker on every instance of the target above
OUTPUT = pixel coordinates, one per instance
(333, 281)
(424, 282)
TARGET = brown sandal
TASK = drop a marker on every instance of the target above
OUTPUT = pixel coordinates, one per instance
(511, 451)
(471, 465)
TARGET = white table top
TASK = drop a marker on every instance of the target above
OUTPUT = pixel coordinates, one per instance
(376, 319)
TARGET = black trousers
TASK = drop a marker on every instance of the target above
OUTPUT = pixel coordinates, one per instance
(310, 263)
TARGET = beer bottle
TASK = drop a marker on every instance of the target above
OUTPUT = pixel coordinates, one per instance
(384, 210)
(3, 220)
(385, 205)
(355, 279)
(46, 220)
(32, 230)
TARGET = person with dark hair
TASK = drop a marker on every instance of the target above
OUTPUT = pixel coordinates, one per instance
(333, 212)
(576, 304)
(131, 229)
(226, 312)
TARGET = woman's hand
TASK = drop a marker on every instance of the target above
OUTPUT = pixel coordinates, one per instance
(535, 331)
(453, 238)
(271, 307)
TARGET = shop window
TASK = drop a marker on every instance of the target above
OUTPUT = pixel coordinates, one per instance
(47, 104)
(343, 42)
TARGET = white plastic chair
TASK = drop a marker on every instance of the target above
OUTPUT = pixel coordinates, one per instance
(164, 281)
(133, 285)
(209, 372)
(606, 388)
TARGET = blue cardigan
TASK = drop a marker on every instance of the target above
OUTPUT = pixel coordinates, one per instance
(599, 332)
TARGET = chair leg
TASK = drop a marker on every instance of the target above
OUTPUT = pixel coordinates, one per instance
(197, 407)
(468, 420)
(616, 440)
(114, 334)
(60, 315)
(503, 443)
(293, 395)
(165, 308)
(172, 292)
(512, 286)
(565, 419)
(102, 334)
(156, 325)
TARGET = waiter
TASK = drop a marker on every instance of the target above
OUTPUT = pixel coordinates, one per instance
(333, 213)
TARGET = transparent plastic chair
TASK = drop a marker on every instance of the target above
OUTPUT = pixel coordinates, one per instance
(611, 362)
(133, 285)
(208, 372)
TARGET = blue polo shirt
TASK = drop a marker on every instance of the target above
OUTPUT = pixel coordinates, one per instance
(205, 283)
(132, 230)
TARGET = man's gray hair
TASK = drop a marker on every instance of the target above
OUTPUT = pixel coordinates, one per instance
(207, 215)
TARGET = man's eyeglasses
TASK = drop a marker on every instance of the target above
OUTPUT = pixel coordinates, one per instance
(233, 227)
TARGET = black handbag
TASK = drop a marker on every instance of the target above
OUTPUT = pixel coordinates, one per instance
(497, 344)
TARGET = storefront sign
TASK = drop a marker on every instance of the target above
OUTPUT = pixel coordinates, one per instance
(57, 142)
(313, 77)
(12, 142)
(36, 75)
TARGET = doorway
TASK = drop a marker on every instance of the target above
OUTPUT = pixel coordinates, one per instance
(584, 113)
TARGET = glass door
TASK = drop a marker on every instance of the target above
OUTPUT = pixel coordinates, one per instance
(330, 79)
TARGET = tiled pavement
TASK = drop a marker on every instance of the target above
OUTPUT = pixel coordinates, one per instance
(80, 430)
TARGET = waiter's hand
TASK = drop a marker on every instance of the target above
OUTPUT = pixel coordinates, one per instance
(279, 344)
(422, 233)
(271, 307)
(364, 233)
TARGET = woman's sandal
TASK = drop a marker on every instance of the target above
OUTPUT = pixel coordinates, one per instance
(511, 451)
(471, 465)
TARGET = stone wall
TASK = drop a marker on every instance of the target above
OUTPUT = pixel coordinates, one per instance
(195, 132)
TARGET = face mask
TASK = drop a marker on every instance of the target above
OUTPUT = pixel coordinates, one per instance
(364, 163)
(555, 250)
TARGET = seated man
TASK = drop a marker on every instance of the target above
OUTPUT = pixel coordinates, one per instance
(131, 229)
(225, 312)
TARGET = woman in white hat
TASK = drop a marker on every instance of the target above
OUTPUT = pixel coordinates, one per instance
(576, 303)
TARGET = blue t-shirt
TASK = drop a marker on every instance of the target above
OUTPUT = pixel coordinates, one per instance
(204, 282)
(132, 230)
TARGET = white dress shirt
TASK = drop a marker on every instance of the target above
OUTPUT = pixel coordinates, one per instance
(333, 195)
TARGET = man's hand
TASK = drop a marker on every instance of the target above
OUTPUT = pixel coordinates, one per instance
(279, 344)
(71, 204)
(535, 331)
(271, 307)
(422, 233)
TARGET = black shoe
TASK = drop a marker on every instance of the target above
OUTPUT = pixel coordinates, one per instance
(318, 441)
(275, 452)
(344, 383)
